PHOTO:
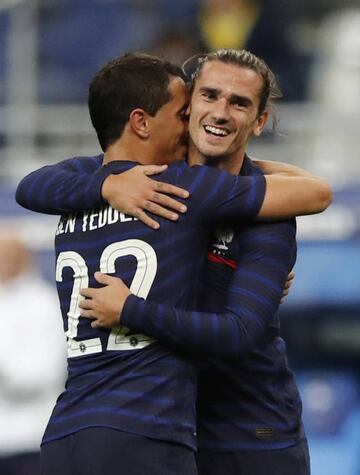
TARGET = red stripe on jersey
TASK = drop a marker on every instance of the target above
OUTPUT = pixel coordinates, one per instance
(222, 260)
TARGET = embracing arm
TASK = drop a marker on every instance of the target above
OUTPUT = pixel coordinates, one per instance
(292, 191)
(68, 186)
(253, 298)
(270, 167)
(294, 196)
(82, 183)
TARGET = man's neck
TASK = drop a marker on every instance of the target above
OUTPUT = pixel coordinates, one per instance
(231, 165)
(125, 150)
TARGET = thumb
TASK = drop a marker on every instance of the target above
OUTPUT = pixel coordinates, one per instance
(104, 279)
(153, 169)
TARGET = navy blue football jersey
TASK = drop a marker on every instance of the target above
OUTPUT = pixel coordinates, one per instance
(123, 379)
(249, 403)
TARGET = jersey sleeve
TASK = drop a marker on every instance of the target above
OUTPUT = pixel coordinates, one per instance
(69, 186)
(215, 195)
(252, 300)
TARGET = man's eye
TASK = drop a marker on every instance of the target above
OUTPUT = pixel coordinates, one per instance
(241, 105)
(209, 95)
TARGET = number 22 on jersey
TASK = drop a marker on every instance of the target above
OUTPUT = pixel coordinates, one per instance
(141, 284)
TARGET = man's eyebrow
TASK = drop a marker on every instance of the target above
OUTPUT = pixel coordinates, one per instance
(213, 90)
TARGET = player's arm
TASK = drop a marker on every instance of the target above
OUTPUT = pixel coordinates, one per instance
(74, 185)
(288, 196)
(304, 193)
(68, 186)
(289, 191)
(266, 197)
(253, 298)
(81, 183)
(270, 167)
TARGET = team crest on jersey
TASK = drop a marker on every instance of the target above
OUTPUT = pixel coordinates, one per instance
(224, 237)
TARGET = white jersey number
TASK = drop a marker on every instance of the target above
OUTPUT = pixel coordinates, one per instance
(141, 285)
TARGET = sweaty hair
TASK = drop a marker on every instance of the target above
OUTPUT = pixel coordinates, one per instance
(242, 58)
(128, 82)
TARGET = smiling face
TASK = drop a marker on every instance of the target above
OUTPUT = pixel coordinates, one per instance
(224, 111)
(169, 125)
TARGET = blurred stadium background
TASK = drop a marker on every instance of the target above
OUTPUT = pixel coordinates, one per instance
(51, 48)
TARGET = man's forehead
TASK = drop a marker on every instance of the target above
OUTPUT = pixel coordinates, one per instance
(228, 77)
(217, 70)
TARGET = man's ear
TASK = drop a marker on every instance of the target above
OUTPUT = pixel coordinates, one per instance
(139, 123)
(260, 122)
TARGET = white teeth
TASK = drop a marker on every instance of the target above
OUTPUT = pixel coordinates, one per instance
(215, 130)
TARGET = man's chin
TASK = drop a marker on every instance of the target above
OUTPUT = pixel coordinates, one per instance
(213, 153)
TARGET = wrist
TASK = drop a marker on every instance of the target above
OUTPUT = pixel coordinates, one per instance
(107, 188)
(123, 303)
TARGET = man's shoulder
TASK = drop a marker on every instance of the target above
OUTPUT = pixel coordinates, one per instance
(84, 163)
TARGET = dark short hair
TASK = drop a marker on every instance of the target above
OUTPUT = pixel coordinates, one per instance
(131, 81)
(242, 58)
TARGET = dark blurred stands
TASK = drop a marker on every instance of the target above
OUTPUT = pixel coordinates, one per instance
(77, 37)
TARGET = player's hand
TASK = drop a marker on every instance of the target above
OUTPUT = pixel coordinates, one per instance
(134, 193)
(104, 305)
(287, 286)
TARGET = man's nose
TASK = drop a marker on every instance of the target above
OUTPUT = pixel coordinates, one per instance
(220, 111)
